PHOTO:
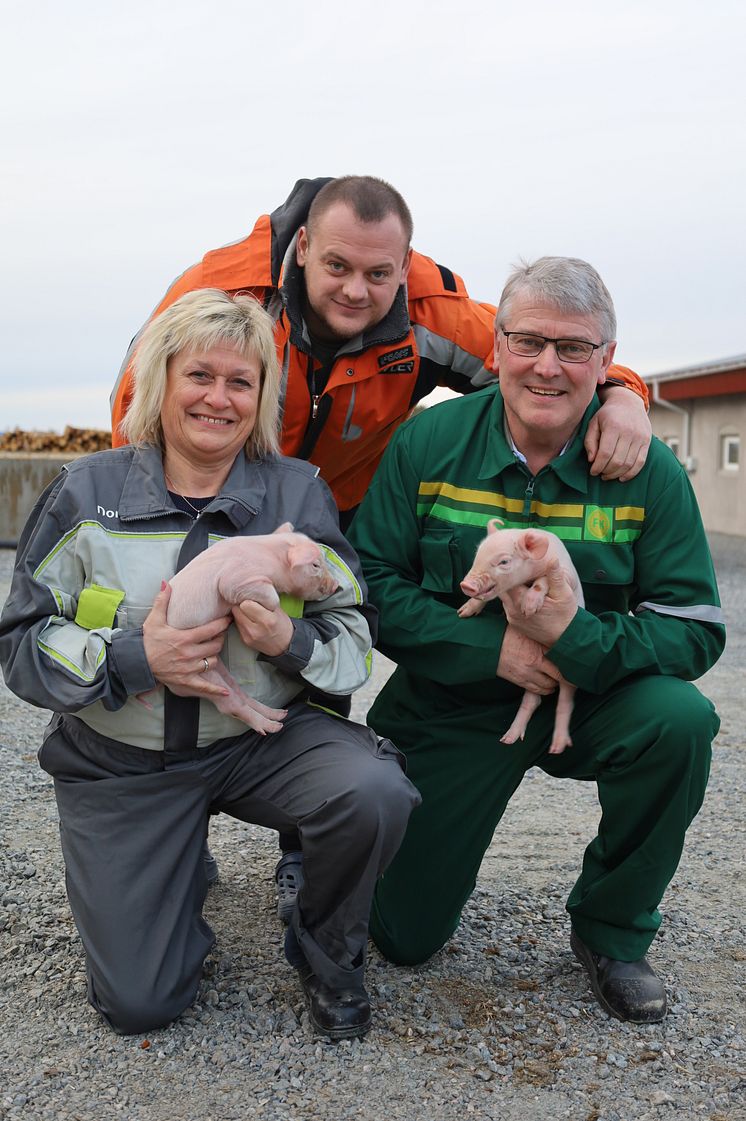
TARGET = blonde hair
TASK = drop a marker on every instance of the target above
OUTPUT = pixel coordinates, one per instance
(198, 321)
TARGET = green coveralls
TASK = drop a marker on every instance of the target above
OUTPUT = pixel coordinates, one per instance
(640, 731)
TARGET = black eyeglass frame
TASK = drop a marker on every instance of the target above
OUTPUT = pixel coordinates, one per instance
(556, 342)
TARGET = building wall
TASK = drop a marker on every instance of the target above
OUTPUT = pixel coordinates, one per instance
(721, 493)
(23, 476)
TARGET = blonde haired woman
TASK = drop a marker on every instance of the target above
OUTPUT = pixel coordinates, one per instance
(84, 631)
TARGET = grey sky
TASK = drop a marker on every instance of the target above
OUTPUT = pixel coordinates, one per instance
(137, 136)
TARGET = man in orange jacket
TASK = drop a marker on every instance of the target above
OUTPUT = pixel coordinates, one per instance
(365, 328)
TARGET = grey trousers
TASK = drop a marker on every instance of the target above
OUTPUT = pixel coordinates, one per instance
(132, 827)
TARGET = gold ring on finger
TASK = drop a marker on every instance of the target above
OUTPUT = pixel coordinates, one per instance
(205, 665)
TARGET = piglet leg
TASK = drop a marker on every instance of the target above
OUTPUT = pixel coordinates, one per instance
(471, 607)
(258, 588)
(534, 596)
(257, 715)
(565, 702)
(517, 729)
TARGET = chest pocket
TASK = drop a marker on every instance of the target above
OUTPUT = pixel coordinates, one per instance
(607, 573)
(131, 616)
(442, 563)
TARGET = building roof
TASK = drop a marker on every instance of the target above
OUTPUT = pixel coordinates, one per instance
(723, 377)
(702, 369)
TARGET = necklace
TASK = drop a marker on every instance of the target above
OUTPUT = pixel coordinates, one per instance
(195, 509)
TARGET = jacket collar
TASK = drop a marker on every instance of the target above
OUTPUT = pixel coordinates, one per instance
(571, 467)
(145, 494)
(286, 219)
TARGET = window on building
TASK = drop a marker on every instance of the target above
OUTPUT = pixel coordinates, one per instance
(730, 453)
(673, 443)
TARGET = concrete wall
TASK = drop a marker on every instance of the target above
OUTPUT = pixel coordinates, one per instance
(721, 494)
(23, 476)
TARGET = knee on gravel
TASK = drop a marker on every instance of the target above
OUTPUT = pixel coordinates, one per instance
(141, 1008)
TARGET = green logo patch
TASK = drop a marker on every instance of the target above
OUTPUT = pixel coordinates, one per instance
(599, 522)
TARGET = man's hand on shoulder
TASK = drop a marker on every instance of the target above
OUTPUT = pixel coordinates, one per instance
(618, 435)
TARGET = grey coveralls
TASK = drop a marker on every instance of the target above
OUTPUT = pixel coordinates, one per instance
(135, 789)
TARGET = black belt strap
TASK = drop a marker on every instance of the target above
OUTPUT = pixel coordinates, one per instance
(181, 714)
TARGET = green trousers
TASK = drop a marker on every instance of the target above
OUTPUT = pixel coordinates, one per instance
(646, 744)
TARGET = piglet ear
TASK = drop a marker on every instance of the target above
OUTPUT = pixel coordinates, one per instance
(286, 527)
(305, 553)
(536, 544)
(494, 524)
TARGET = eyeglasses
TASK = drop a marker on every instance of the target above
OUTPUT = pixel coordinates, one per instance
(531, 346)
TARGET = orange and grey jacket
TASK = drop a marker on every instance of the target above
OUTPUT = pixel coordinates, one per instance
(433, 335)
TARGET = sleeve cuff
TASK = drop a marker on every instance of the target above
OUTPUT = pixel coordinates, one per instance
(127, 655)
(577, 653)
(298, 654)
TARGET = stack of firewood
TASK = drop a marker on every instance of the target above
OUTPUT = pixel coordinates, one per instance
(72, 441)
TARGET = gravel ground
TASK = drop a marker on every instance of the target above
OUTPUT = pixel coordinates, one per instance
(501, 1024)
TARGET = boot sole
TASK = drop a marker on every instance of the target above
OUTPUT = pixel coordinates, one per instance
(289, 884)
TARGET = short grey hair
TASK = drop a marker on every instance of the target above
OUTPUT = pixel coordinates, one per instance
(198, 321)
(568, 284)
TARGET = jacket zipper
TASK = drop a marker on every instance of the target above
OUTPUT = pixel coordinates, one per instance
(320, 408)
(312, 391)
(528, 494)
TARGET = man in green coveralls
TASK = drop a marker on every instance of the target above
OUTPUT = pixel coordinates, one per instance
(651, 624)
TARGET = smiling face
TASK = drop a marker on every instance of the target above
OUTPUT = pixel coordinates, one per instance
(545, 398)
(210, 406)
(353, 271)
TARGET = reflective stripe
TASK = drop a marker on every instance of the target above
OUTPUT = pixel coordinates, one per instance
(284, 377)
(700, 613)
(109, 533)
(351, 431)
(273, 304)
(557, 510)
(63, 661)
(461, 517)
(568, 521)
(82, 661)
(479, 497)
(336, 561)
(630, 513)
(444, 352)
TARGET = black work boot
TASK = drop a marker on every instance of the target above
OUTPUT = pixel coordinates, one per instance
(629, 990)
(335, 1013)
